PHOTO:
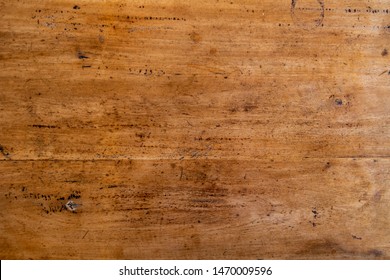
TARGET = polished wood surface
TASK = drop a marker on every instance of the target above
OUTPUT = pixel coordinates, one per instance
(195, 129)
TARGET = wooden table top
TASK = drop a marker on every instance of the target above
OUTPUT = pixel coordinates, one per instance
(194, 129)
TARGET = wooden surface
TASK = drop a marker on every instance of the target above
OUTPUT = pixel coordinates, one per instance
(194, 129)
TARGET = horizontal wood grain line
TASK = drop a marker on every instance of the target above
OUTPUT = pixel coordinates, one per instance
(368, 157)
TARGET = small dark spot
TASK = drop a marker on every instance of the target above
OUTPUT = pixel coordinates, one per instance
(140, 135)
(112, 186)
(355, 237)
(384, 52)
(81, 55)
(75, 7)
(327, 166)
(338, 102)
(249, 107)
(3, 151)
(43, 126)
(73, 195)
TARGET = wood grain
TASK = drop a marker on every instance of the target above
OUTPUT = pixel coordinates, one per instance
(194, 129)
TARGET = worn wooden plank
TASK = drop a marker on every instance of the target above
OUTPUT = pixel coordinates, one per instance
(195, 209)
(223, 129)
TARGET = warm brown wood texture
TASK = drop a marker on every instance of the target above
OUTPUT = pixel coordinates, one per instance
(194, 129)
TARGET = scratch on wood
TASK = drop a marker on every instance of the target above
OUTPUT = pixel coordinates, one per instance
(85, 234)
